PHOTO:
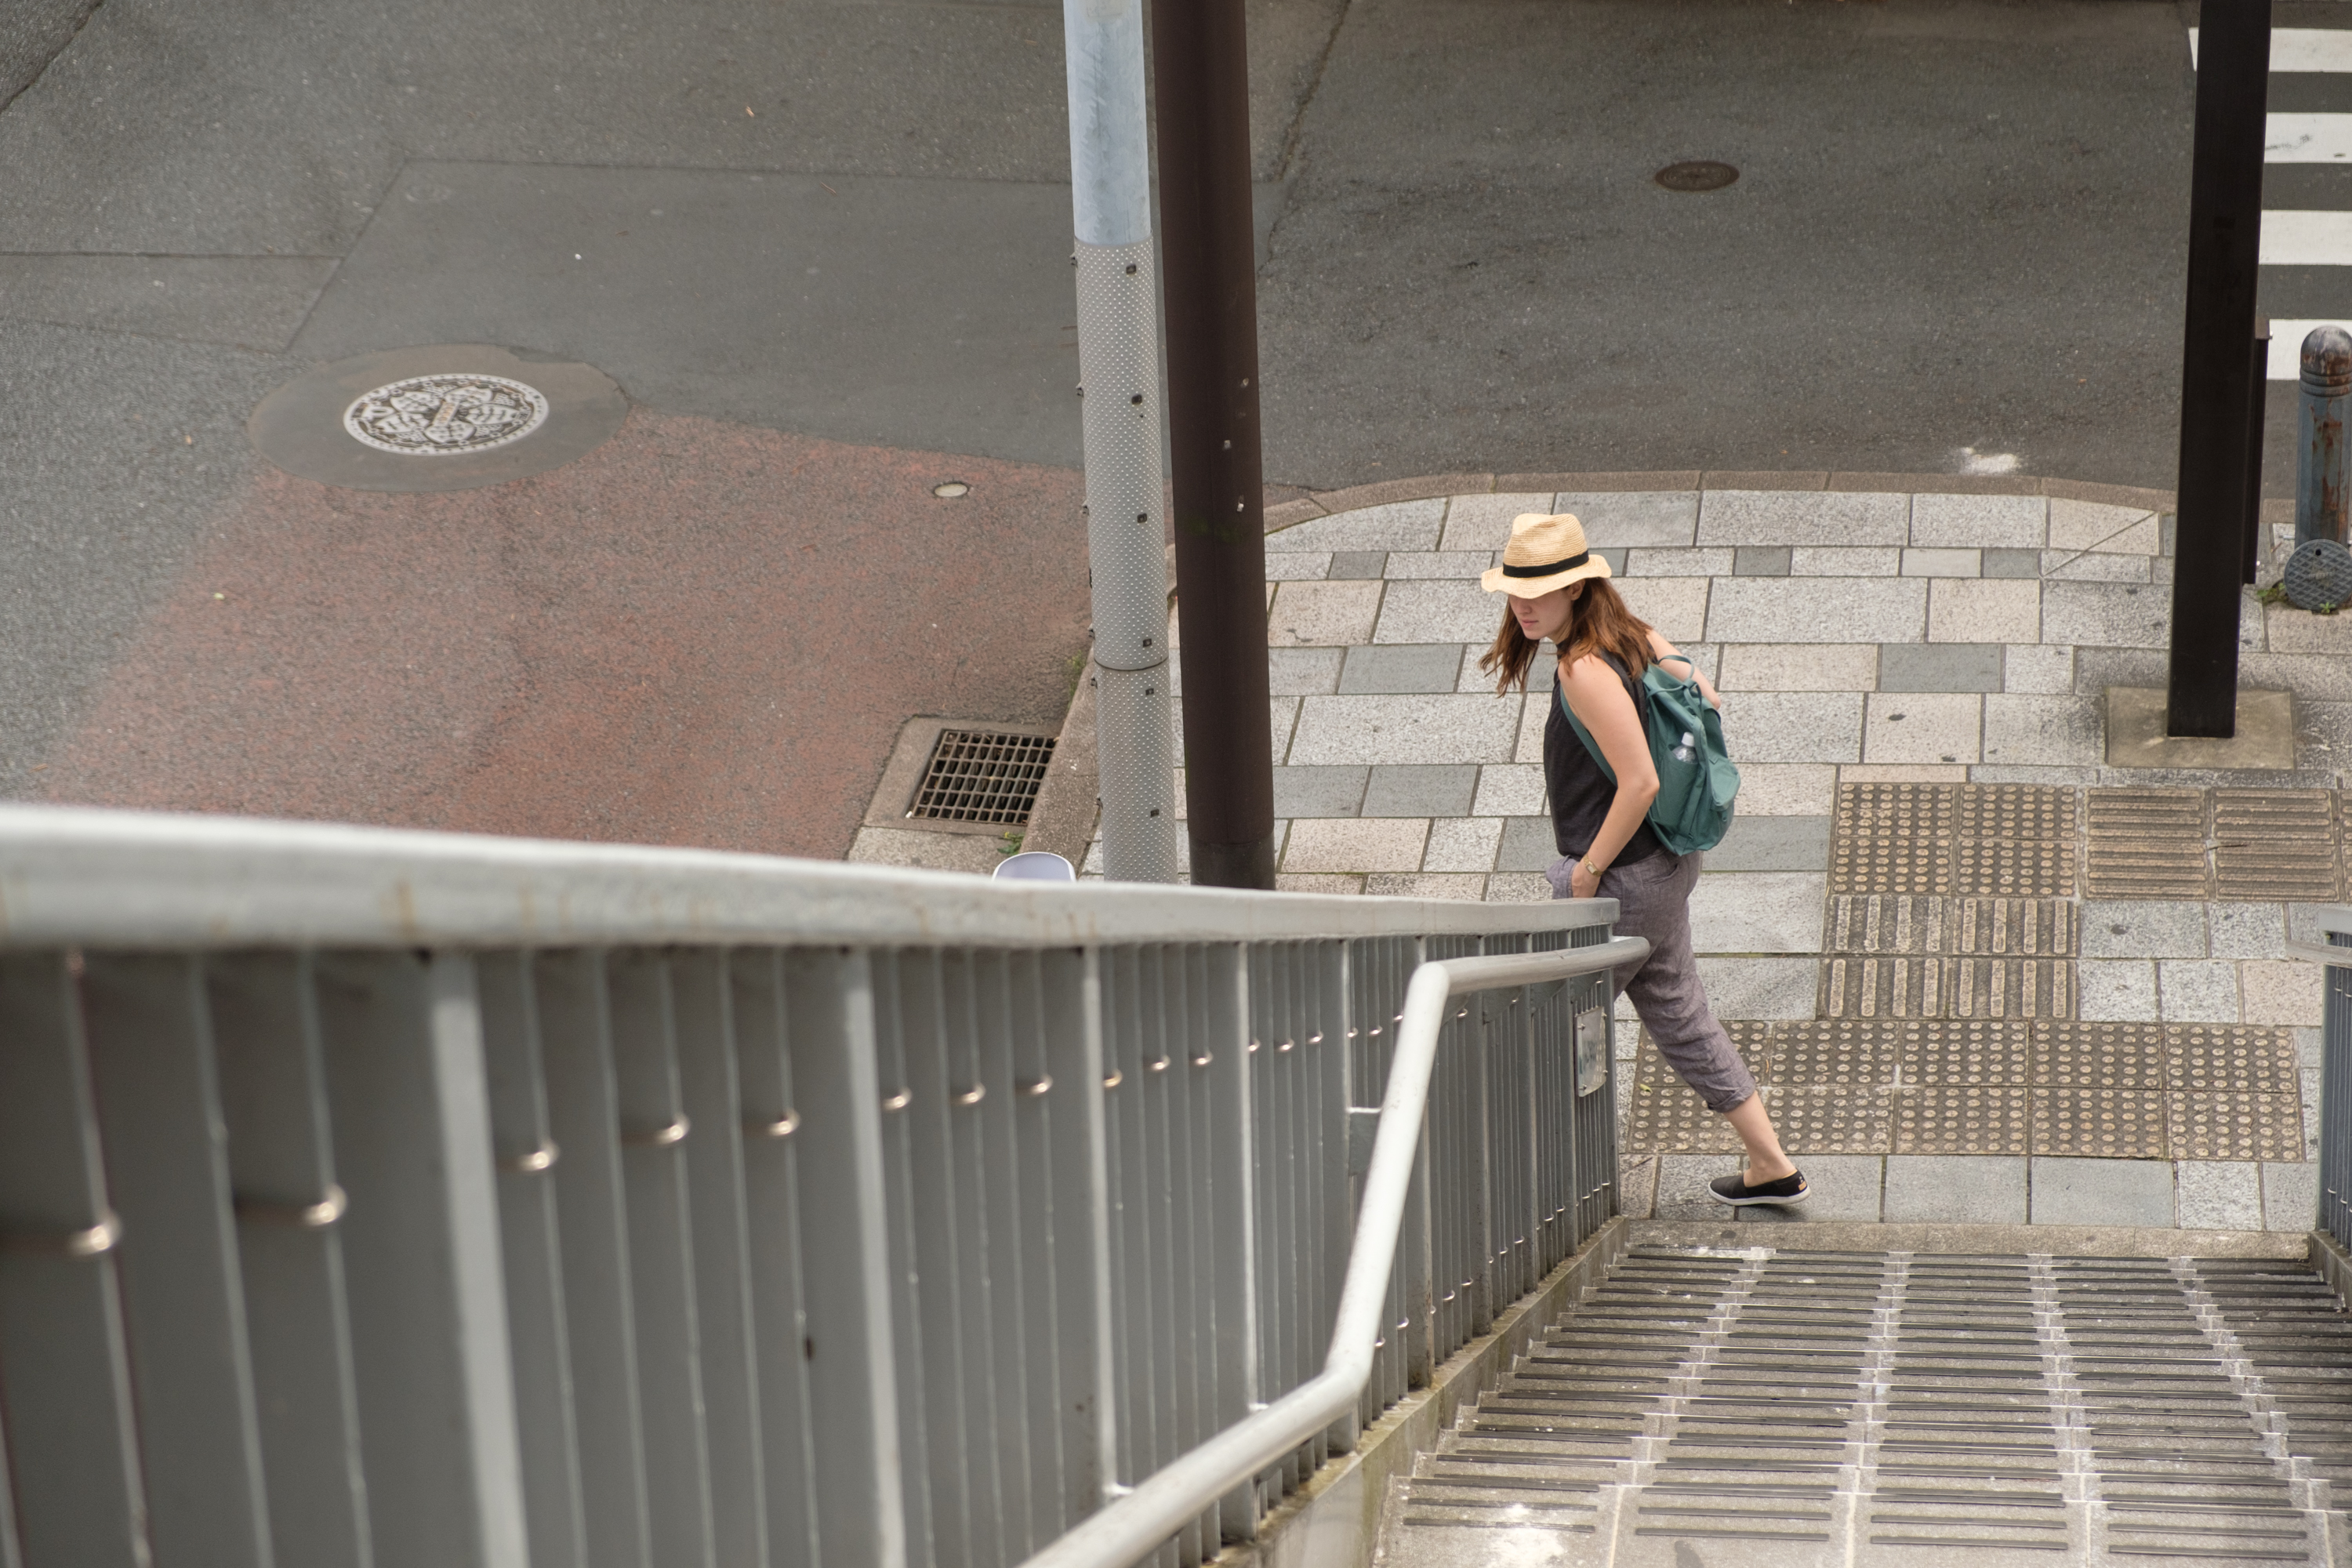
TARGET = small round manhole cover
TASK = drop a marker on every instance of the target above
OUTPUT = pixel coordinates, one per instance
(1699, 175)
(442, 416)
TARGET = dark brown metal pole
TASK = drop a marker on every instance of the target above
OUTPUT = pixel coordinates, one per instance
(1200, 69)
(2225, 214)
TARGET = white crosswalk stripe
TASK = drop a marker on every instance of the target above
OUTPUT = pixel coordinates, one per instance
(2297, 237)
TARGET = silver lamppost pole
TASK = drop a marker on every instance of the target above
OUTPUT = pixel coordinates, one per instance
(1118, 371)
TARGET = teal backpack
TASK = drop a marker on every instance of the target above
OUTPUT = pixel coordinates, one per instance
(1695, 779)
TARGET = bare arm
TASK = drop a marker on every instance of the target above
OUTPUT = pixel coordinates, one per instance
(1600, 703)
(1660, 647)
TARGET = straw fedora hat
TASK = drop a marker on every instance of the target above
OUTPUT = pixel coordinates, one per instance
(1544, 554)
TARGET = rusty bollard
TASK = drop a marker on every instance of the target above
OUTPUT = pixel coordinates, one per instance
(2322, 482)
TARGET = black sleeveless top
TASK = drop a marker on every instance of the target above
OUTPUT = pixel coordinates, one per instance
(1580, 793)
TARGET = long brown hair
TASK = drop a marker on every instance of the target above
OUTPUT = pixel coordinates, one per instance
(1599, 622)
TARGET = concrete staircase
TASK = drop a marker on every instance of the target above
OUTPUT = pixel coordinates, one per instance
(1783, 1408)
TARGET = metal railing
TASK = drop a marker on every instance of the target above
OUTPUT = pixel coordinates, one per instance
(2332, 948)
(387, 1198)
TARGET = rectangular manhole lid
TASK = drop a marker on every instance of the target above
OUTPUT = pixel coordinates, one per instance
(983, 776)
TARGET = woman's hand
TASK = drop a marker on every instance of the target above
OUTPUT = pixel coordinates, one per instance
(1582, 883)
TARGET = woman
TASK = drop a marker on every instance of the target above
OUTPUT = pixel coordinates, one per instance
(1558, 589)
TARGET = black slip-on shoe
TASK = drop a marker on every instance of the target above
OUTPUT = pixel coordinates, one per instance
(1788, 1189)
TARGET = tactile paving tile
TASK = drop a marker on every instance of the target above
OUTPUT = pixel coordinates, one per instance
(2231, 1125)
(2276, 844)
(2145, 842)
(2107, 1123)
(2014, 812)
(1840, 1119)
(1858, 987)
(2009, 988)
(1752, 1039)
(1884, 923)
(1837, 1051)
(1891, 839)
(1993, 1119)
(2031, 868)
(2011, 928)
(1668, 1118)
(2200, 1057)
(1949, 1053)
(2093, 1055)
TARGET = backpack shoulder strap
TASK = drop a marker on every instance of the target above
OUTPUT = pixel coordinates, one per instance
(1591, 746)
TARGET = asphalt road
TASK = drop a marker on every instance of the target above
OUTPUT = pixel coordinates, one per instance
(1958, 228)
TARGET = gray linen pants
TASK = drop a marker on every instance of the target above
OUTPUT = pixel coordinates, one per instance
(1654, 901)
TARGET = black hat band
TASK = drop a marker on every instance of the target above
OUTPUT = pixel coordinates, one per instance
(1570, 565)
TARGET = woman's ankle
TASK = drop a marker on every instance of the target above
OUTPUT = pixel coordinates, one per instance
(1760, 1170)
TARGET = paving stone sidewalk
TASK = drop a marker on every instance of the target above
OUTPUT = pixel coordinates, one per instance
(1983, 975)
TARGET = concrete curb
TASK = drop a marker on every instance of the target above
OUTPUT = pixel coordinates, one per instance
(1061, 819)
(1334, 1521)
(1324, 503)
(2058, 1240)
(2334, 1264)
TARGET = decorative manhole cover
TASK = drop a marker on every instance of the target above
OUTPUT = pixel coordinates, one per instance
(442, 416)
(1701, 175)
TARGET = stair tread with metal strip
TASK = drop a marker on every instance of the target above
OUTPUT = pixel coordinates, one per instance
(1814, 1408)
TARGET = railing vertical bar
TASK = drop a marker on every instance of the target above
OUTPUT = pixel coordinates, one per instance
(864, 1486)
(922, 1260)
(583, 1115)
(410, 1103)
(775, 1270)
(655, 1129)
(79, 1498)
(1326, 982)
(1226, 1115)
(523, 1144)
(703, 1005)
(1134, 1318)
(158, 1098)
(280, 1155)
(1190, 1257)
(1079, 1175)
(950, 1177)
(1006, 1275)
(1022, 1130)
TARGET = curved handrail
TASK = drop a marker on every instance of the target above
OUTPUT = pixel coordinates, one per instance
(1131, 1528)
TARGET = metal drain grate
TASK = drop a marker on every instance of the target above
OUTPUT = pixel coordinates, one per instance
(979, 775)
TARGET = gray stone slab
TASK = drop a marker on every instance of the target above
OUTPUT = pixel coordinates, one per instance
(2290, 1195)
(1841, 1187)
(1803, 516)
(1318, 792)
(2197, 990)
(2218, 1194)
(2246, 930)
(1979, 523)
(2031, 732)
(1682, 1185)
(2115, 991)
(1615, 519)
(1402, 668)
(2104, 615)
(1528, 845)
(2070, 1191)
(2123, 928)
(1438, 610)
(854, 324)
(1760, 561)
(1357, 564)
(1760, 987)
(1759, 911)
(1939, 666)
(250, 301)
(1648, 563)
(1425, 790)
(1969, 1189)
(1423, 728)
(1772, 844)
(1394, 525)
(1817, 609)
(2013, 563)
(1457, 564)
(1794, 726)
(1294, 671)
